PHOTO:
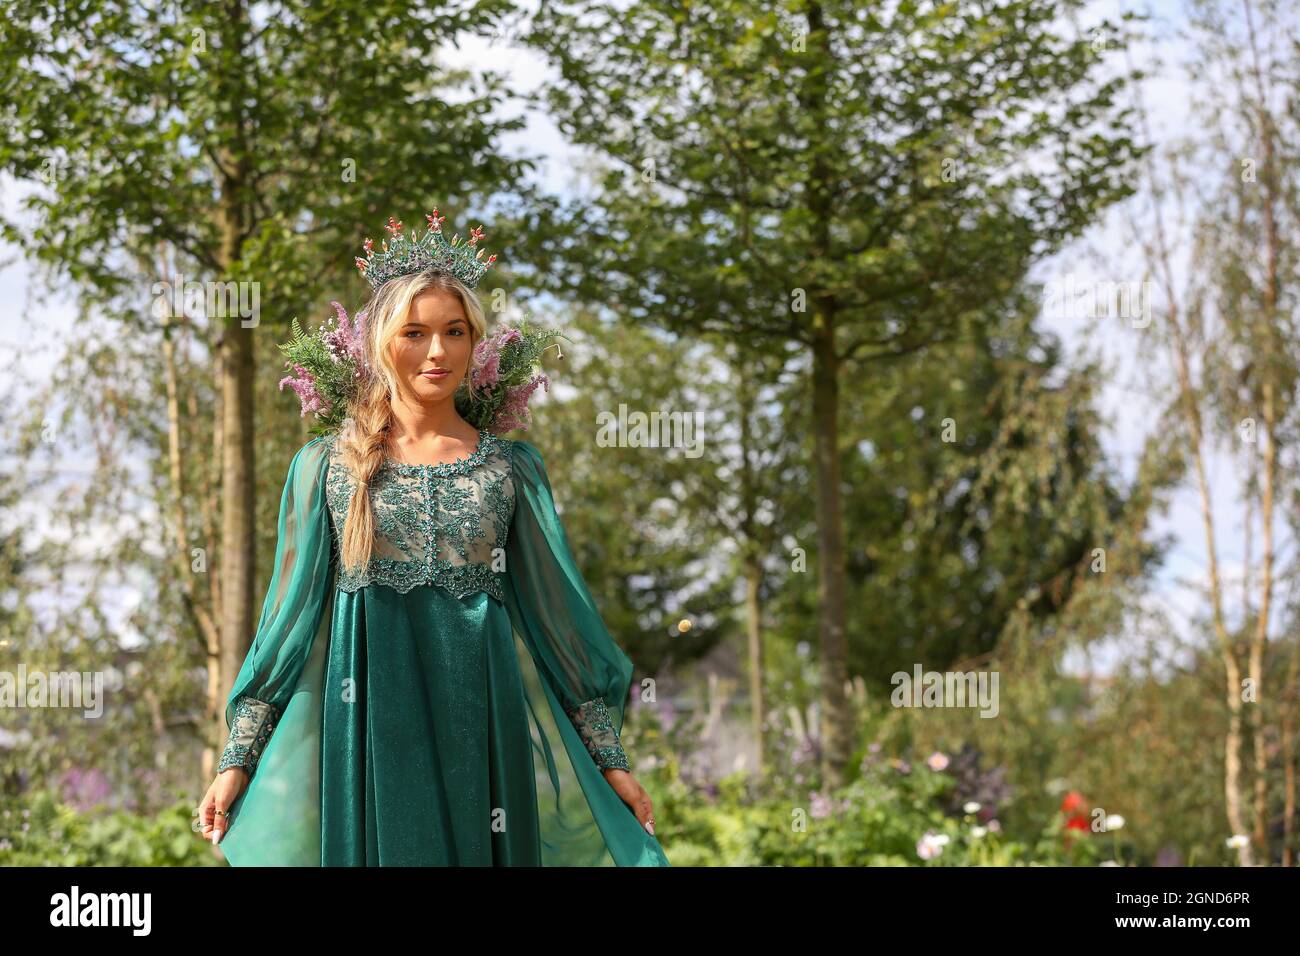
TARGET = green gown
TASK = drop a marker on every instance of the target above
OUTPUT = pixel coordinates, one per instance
(451, 704)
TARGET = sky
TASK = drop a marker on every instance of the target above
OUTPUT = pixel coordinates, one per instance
(1125, 397)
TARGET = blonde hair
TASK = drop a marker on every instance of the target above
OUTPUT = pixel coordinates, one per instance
(364, 437)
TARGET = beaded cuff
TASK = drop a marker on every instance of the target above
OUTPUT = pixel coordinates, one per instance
(249, 734)
(593, 723)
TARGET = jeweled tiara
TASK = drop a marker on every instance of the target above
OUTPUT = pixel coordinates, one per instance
(402, 255)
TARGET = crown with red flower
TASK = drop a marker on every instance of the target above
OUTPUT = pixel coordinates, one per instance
(403, 255)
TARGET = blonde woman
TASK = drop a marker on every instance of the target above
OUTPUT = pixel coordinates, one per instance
(430, 682)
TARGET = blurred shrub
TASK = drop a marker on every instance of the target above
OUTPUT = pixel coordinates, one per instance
(38, 830)
(895, 812)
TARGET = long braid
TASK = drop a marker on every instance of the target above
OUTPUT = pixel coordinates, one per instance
(363, 453)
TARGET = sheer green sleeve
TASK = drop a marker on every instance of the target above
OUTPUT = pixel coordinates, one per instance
(291, 611)
(556, 616)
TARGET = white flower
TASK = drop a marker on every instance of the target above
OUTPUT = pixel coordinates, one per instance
(1108, 863)
(977, 832)
(971, 806)
(1237, 841)
(1114, 822)
(930, 845)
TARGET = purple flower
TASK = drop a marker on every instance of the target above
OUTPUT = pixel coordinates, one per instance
(489, 372)
(820, 806)
(514, 412)
(305, 388)
(667, 714)
(84, 788)
(1169, 856)
(488, 354)
(347, 341)
(804, 752)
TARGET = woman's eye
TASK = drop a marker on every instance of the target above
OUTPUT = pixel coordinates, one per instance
(414, 332)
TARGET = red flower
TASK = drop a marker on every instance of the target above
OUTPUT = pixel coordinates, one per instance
(1073, 801)
(1074, 806)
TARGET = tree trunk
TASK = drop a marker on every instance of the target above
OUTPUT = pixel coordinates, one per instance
(1189, 397)
(1260, 638)
(754, 629)
(238, 551)
(199, 611)
(835, 719)
(238, 463)
(752, 549)
(1288, 777)
(236, 356)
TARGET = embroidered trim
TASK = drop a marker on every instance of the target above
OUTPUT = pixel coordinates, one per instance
(250, 732)
(595, 726)
(406, 576)
(461, 466)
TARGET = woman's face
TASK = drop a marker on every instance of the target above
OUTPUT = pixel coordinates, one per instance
(435, 336)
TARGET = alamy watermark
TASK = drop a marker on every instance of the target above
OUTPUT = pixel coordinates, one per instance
(651, 430)
(1070, 298)
(130, 910)
(58, 689)
(946, 689)
(220, 299)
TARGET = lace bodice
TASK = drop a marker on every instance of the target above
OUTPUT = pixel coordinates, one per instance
(440, 524)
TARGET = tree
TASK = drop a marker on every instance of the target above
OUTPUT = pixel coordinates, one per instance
(858, 181)
(1227, 325)
(982, 490)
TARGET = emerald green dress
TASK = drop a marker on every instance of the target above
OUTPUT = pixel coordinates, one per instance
(451, 704)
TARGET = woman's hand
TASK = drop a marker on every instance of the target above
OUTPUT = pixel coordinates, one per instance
(225, 790)
(634, 795)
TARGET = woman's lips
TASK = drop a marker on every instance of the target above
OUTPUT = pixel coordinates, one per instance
(436, 374)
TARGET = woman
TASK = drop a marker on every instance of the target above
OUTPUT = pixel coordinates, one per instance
(427, 639)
